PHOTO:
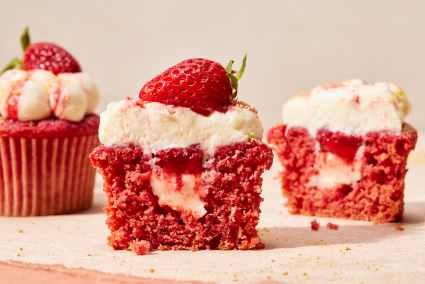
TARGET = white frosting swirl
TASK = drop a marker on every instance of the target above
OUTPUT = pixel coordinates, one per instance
(39, 94)
(155, 126)
(353, 107)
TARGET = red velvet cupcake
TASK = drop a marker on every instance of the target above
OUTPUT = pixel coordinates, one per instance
(344, 149)
(47, 130)
(182, 166)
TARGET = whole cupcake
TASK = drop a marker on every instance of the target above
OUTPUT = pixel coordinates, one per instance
(47, 130)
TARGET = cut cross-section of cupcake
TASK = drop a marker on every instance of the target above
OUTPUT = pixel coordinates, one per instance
(344, 149)
(181, 177)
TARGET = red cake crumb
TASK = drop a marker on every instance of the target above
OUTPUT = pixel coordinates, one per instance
(332, 226)
(231, 197)
(141, 247)
(377, 197)
(314, 225)
(399, 228)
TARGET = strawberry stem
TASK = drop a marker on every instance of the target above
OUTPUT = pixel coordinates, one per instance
(16, 63)
(25, 39)
(235, 78)
(229, 66)
(234, 83)
(240, 73)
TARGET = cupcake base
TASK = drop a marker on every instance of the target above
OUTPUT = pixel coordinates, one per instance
(46, 175)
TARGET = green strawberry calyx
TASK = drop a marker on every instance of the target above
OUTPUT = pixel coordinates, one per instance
(16, 63)
(235, 78)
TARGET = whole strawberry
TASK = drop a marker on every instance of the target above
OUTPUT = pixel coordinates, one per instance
(49, 56)
(200, 84)
(44, 55)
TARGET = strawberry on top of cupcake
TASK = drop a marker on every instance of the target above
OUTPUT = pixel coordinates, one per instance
(200, 84)
(189, 103)
(50, 83)
(47, 130)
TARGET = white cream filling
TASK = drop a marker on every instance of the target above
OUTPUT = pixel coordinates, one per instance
(155, 126)
(186, 198)
(334, 171)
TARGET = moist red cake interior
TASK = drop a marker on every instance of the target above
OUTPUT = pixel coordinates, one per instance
(377, 197)
(231, 197)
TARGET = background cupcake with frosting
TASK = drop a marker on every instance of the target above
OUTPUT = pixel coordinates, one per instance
(47, 130)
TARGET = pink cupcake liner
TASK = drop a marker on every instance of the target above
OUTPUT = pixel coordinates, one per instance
(46, 176)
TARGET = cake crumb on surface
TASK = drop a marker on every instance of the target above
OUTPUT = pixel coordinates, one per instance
(331, 226)
(314, 225)
(141, 247)
(399, 228)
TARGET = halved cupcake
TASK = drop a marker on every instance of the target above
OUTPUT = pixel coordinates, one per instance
(344, 149)
(182, 165)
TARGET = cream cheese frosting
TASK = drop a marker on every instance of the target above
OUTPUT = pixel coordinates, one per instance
(156, 126)
(353, 108)
(185, 198)
(39, 94)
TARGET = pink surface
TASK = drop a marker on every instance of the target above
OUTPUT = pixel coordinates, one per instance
(31, 273)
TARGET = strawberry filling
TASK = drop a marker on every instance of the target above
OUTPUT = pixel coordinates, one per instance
(180, 160)
(340, 144)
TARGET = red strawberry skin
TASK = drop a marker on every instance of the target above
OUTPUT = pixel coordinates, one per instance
(197, 83)
(49, 56)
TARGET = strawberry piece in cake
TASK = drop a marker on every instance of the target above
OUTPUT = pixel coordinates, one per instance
(182, 176)
(344, 149)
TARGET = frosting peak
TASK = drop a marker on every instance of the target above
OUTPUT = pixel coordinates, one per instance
(39, 94)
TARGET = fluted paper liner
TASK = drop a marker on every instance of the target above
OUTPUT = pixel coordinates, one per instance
(46, 176)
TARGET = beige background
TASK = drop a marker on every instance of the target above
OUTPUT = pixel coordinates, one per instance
(292, 46)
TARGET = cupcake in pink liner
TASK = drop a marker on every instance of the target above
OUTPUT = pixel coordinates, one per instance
(47, 130)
